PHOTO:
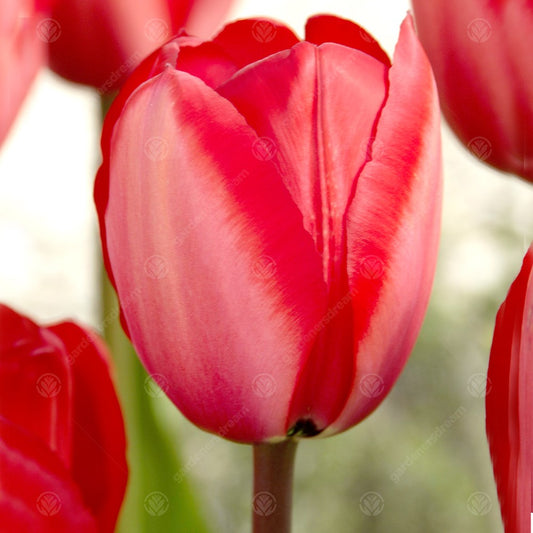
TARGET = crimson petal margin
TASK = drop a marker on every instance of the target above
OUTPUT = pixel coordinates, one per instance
(250, 40)
(328, 28)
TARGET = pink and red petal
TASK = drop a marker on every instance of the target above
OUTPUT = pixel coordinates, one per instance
(201, 257)
(185, 53)
(508, 405)
(99, 443)
(332, 96)
(393, 226)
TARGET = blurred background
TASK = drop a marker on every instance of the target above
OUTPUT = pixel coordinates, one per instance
(420, 463)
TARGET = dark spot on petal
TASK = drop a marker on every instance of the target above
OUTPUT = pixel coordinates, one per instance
(305, 427)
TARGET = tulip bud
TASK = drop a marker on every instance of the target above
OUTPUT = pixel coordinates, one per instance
(274, 205)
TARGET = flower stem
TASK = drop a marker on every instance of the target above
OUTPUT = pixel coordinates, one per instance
(272, 497)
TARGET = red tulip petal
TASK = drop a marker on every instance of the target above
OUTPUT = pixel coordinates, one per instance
(332, 96)
(393, 227)
(508, 405)
(150, 67)
(188, 54)
(481, 56)
(201, 197)
(36, 492)
(329, 29)
(250, 40)
(207, 61)
(99, 443)
(185, 53)
(35, 381)
(318, 88)
(21, 55)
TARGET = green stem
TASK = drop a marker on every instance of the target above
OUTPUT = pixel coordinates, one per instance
(272, 498)
(105, 103)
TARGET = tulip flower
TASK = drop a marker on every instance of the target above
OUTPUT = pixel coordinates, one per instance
(480, 51)
(270, 212)
(21, 55)
(62, 441)
(99, 42)
(509, 403)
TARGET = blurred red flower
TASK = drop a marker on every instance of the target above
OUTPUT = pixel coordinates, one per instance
(510, 401)
(62, 443)
(480, 51)
(100, 42)
(21, 55)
